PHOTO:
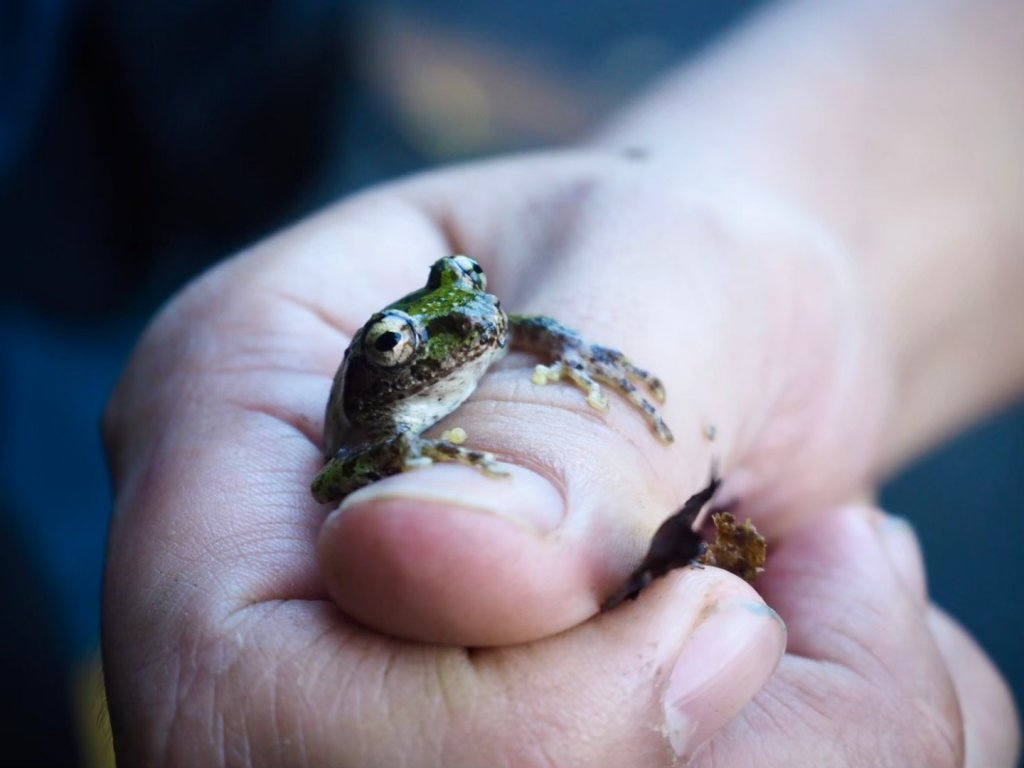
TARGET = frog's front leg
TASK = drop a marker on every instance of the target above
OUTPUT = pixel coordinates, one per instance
(353, 469)
(587, 366)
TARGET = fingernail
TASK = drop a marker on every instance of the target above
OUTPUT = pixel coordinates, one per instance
(899, 540)
(723, 664)
(522, 497)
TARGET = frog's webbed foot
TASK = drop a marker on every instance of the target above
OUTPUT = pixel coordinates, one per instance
(355, 468)
(588, 366)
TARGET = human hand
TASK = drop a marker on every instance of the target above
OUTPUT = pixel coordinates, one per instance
(216, 611)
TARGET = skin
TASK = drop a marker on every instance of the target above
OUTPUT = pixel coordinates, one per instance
(242, 628)
(419, 358)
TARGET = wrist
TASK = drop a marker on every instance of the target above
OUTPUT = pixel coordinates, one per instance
(906, 145)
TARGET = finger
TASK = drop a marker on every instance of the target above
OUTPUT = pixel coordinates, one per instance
(900, 543)
(991, 729)
(631, 688)
(552, 545)
(992, 733)
(863, 682)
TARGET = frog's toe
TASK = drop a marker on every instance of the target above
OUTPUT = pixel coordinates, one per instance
(492, 468)
(611, 363)
(580, 373)
(575, 370)
(546, 374)
(484, 461)
(658, 424)
(445, 451)
(417, 462)
(653, 383)
(456, 435)
(629, 390)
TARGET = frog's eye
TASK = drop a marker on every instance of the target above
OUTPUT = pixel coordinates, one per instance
(391, 339)
(473, 271)
(459, 271)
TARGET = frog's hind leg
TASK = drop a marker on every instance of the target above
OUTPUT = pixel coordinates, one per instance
(353, 469)
(587, 366)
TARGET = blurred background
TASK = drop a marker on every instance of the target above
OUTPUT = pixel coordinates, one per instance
(141, 142)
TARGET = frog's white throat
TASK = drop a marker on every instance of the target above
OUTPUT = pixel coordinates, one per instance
(425, 408)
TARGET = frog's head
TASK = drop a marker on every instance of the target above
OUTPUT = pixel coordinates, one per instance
(418, 359)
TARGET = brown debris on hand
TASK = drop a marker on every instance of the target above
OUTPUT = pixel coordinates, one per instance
(737, 549)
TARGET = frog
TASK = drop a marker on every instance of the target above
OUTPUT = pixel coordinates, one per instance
(418, 359)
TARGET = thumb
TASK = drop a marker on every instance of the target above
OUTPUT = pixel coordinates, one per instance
(447, 554)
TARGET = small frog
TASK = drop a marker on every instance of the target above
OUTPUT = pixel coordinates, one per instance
(418, 359)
